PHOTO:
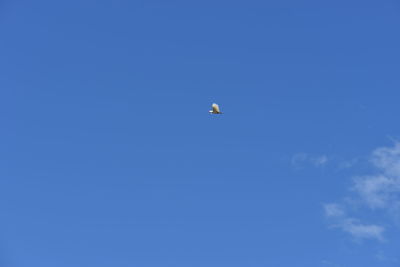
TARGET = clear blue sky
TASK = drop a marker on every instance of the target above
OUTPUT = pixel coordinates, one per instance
(109, 156)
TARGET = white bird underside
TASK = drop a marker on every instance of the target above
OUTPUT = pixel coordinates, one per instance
(215, 109)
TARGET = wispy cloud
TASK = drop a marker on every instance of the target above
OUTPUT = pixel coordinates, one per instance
(387, 159)
(362, 231)
(339, 219)
(301, 159)
(333, 210)
(347, 164)
(377, 191)
(382, 189)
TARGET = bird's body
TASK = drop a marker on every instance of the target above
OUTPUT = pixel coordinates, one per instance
(215, 109)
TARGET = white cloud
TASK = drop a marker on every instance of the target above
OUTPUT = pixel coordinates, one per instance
(320, 160)
(347, 164)
(303, 158)
(376, 191)
(362, 231)
(357, 230)
(379, 191)
(333, 210)
(387, 159)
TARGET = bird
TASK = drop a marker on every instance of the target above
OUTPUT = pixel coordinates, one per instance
(215, 109)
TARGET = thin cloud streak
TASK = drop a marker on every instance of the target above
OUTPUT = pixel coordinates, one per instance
(338, 219)
(301, 159)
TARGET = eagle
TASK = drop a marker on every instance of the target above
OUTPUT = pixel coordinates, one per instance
(215, 109)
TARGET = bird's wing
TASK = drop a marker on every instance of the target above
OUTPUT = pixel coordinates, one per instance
(215, 108)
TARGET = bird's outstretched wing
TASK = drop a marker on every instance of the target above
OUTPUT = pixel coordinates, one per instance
(215, 108)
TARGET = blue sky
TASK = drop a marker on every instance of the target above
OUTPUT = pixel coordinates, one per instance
(110, 158)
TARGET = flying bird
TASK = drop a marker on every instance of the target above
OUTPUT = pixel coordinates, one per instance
(215, 109)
